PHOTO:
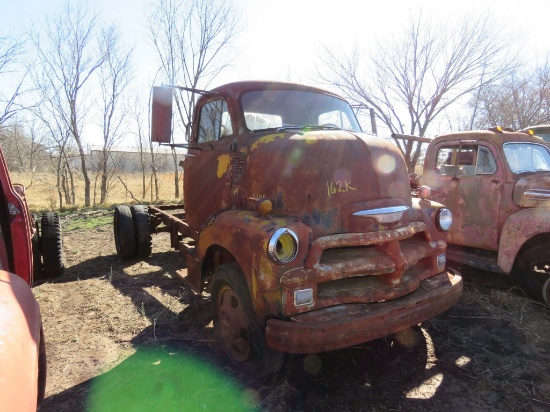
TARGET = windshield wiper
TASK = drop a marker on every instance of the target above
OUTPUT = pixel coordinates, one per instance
(526, 171)
(285, 127)
(323, 127)
(299, 129)
(279, 129)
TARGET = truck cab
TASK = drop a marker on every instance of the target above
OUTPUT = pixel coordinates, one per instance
(300, 226)
(497, 184)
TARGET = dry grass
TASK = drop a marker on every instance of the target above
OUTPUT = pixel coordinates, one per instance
(42, 193)
(505, 335)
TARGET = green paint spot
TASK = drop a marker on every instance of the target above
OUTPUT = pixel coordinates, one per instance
(159, 380)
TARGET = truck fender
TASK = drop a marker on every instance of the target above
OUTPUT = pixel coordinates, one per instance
(518, 229)
(245, 235)
(20, 339)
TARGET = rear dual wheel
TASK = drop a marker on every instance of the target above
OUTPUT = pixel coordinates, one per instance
(142, 227)
(132, 231)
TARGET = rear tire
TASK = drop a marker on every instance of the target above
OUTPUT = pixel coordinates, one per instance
(51, 245)
(532, 270)
(236, 326)
(35, 243)
(125, 234)
(142, 226)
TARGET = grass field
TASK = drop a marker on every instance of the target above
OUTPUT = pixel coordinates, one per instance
(41, 191)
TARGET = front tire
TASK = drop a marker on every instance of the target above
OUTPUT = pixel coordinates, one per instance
(546, 292)
(125, 234)
(532, 270)
(236, 326)
(51, 245)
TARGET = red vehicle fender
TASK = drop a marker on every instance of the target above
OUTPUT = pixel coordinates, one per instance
(21, 226)
(21, 346)
(519, 228)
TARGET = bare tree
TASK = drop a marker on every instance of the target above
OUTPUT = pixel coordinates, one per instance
(191, 38)
(519, 100)
(114, 78)
(59, 138)
(147, 154)
(413, 78)
(11, 50)
(68, 59)
(23, 148)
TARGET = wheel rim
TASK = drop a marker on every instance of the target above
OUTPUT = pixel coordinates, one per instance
(539, 273)
(233, 325)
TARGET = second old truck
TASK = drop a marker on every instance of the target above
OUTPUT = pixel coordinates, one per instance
(497, 184)
(301, 227)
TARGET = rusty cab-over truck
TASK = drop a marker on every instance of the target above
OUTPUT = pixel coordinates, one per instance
(300, 226)
(497, 185)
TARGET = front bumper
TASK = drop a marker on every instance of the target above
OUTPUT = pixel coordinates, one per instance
(346, 325)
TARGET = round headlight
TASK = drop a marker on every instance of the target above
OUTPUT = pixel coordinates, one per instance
(283, 246)
(444, 219)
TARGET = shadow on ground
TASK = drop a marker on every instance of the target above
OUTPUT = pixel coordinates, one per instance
(453, 361)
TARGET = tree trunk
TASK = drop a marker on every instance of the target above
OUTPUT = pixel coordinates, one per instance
(176, 174)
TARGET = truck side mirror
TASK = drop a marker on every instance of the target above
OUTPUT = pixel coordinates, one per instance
(161, 114)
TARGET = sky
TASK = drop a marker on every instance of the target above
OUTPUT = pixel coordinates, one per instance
(280, 39)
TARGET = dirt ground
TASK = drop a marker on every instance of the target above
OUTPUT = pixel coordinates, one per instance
(128, 335)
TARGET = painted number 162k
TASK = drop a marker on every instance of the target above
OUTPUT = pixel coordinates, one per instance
(339, 187)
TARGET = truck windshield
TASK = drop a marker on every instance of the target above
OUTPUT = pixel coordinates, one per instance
(527, 157)
(273, 109)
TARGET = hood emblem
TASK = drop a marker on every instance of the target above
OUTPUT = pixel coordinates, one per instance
(390, 214)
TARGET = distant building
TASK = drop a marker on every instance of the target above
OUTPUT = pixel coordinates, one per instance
(127, 159)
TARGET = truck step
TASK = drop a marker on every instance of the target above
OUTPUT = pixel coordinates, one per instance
(469, 257)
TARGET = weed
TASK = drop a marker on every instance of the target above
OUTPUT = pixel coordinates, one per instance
(142, 309)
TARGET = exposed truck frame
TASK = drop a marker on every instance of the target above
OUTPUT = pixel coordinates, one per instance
(304, 232)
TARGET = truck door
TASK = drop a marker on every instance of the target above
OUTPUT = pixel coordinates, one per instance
(207, 169)
(468, 181)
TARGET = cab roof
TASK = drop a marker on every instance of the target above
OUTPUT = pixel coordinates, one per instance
(237, 88)
(492, 136)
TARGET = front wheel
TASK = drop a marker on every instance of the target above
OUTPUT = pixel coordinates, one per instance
(546, 292)
(236, 326)
(532, 270)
